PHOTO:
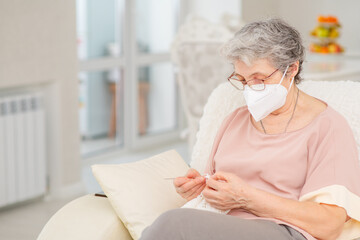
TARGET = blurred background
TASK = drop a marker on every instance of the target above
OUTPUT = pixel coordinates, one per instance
(115, 81)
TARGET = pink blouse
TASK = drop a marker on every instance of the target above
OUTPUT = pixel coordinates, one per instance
(292, 164)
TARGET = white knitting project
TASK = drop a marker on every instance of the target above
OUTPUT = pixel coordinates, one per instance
(200, 203)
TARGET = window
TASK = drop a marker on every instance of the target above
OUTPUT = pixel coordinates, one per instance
(128, 94)
(156, 99)
(99, 28)
(156, 25)
(101, 99)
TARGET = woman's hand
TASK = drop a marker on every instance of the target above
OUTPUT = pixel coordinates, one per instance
(226, 191)
(191, 185)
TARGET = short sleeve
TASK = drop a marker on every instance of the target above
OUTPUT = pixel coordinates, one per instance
(333, 173)
(210, 165)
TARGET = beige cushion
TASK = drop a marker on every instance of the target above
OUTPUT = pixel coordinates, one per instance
(138, 191)
(85, 218)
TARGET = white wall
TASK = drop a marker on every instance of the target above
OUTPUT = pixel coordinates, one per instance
(253, 10)
(38, 49)
(212, 10)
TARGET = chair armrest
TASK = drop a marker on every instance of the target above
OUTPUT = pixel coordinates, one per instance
(87, 217)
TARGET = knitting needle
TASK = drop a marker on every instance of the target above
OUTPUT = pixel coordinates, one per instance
(207, 176)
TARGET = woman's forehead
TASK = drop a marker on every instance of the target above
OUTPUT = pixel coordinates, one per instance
(260, 66)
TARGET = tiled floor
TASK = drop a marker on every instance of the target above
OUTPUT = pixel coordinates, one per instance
(26, 221)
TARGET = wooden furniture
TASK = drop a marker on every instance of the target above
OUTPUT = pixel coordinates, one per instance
(143, 90)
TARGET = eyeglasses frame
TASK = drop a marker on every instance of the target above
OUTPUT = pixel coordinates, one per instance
(263, 80)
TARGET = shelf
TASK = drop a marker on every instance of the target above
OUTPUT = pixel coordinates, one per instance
(332, 67)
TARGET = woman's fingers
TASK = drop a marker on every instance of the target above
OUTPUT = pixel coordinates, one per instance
(199, 190)
(210, 193)
(179, 181)
(214, 184)
(192, 173)
(189, 189)
(221, 176)
(194, 192)
(191, 184)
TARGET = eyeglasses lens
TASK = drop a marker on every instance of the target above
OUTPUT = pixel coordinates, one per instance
(238, 84)
(255, 84)
(257, 87)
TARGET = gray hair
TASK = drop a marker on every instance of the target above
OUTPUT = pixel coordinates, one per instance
(271, 39)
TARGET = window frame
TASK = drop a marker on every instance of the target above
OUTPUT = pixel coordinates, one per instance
(129, 62)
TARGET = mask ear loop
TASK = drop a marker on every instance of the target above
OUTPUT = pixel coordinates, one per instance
(287, 67)
(292, 80)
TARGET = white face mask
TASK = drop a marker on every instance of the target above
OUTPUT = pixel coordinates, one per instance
(262, 103)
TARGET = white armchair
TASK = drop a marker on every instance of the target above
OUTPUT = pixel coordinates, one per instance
(195, 54)
(92, 218)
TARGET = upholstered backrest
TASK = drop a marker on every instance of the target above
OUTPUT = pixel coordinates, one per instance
(195, 54)
(197, 77)
(343, 96)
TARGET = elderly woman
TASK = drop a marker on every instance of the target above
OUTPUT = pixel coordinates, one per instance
(274, 161)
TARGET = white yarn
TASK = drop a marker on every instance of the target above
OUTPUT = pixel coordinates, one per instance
(200, 203)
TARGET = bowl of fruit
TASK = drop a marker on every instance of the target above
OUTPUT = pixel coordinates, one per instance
(326, 34)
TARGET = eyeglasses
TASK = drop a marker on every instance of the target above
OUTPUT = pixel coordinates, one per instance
(255, 84)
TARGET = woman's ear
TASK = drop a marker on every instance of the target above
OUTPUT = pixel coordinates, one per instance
(294, 69)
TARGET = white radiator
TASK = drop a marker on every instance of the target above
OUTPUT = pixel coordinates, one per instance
(22, 148)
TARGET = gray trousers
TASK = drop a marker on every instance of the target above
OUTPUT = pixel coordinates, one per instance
(193, 224)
